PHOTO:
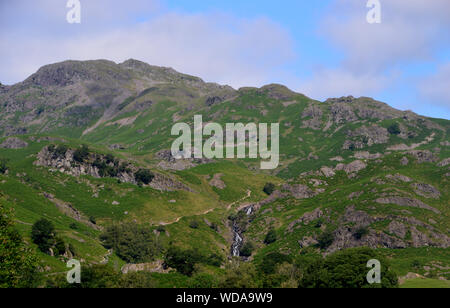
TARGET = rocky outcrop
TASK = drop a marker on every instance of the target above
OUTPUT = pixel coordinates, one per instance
(167, 183)
(444, 163)
(398, 178)
(64, 162)
(168, 162)
(95, 165)
(217, 182)
(342, 113)
(366, 136)
(367, 155)
(358, 218)
(305, 219)
(345, 238)
(426, 190)
(300, 191)
(403, 201)
(423, 156)
(314, 114)
(307, 241)
(352, 167)
(212, 100)
(328, 172)
(404, 161)
(68, 210)
(398, 229)
(13, 143)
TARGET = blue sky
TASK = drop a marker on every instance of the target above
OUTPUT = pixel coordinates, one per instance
(320, 48)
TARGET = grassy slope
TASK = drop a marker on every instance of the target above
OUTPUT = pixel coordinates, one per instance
(150, 133)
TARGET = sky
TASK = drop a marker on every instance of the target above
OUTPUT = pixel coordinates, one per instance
(319, 48)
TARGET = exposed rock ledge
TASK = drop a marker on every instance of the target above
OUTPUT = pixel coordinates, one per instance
(403, 201)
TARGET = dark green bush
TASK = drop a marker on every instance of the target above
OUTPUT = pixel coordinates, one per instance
(269, 188)
(394, 129)
(194, 224)
(60, 151)
(214, 226)
(271, 237)
(161, 229)
(319, 223)
(81, 154)
(361, 232)
(3, 165)
(247, 249)
(60, 246)
(325, 239)
(271, 260)
(144, 176)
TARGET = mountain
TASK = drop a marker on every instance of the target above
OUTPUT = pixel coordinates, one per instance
(353, 171)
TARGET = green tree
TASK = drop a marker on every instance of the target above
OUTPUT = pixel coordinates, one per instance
(132, 243)
(43, 234)
(271, 237)
(271, 260)
(185, 261)
(18, 263)
(241, 275)
(347, 269)
(182, 260)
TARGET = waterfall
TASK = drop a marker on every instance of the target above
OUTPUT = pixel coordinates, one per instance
(236, 244)
(237, 236)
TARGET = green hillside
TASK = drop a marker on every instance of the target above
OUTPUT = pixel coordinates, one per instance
(79, 138)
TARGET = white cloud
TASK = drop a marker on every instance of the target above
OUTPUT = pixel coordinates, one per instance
(338, 82)
(216, 47)
(409, 31)
(376, 57)
(436, 88)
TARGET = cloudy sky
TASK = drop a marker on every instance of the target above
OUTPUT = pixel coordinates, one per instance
(320, 48)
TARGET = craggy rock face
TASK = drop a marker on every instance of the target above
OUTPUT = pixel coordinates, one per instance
(66, 164)
(366, 136)
(342, 113)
